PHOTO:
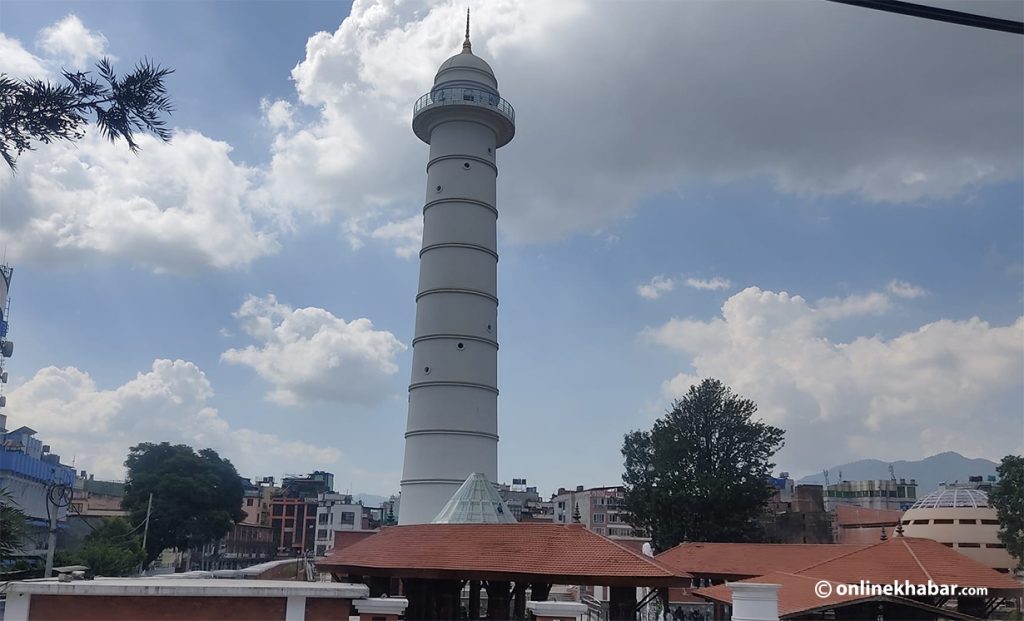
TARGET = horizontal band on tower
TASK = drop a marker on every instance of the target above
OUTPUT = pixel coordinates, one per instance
(466, 245)
(451, 432)
(455, 199)
(430, 481)
(482, 294)
(455, 337)
(456, 384)
(473, 158)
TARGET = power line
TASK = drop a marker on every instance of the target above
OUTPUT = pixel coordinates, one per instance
(942, 15)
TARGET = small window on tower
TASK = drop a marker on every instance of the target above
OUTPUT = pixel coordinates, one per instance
(438, 188)
(426, 370)
(465, 165)
(461, 346)
(490, 328)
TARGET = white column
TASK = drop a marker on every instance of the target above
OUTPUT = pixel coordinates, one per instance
(754, 601)
(17, 606)
(295, 609)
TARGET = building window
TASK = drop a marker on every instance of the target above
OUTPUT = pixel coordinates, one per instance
(598, 518)
(348, 517)
(943, 521)
(996, 545)
(321, 534)
(968, 545)
(323, 518)
(968, 521)
(248, 502)
(990, 522)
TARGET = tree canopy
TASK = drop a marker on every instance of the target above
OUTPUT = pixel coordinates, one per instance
(196, 496)
(113, 549)
(701, 472)
(35, 110)
(1008, 499)
(13, 525)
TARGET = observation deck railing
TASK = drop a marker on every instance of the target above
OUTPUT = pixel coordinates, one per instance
(463, 97)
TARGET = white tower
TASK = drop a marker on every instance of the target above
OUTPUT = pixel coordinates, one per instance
(453, 395)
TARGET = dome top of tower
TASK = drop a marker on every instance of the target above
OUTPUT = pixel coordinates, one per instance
(465, 66)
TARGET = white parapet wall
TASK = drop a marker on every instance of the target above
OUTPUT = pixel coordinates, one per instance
(563, 611)
(754, 601)
(221, 594)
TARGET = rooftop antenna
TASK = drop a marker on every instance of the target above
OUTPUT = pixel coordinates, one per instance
(466, 46)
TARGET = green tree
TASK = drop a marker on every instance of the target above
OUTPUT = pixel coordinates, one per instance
(13, 525)
(197, 497)
(38, 111)
(1008, 499)
(113, 549)
(700, 473)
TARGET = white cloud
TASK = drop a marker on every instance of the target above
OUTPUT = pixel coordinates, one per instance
(903, 289)
(655, 287)
(308, 354)
(806, 115)
(170, 402)
(175, 207)
(18, 62)
(70, 40)
(713, 284)
(405, 235)
(278, 114)
(868, 397)
(873, 303)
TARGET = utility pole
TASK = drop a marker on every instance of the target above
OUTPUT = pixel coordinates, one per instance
(51, 542)
(145, 532)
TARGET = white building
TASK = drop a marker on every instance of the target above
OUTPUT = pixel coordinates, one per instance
(337, 512)
(452, 428)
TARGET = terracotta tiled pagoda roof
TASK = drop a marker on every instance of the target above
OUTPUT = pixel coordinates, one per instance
(745, 560)
(797, 596)
(914, 559)
(550, 553)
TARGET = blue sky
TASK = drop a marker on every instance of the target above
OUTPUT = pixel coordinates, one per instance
(823, 202)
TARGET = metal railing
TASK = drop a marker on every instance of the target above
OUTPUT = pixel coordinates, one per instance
(462, 97)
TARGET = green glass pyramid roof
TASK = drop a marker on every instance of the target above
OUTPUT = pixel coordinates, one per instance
(475, 502)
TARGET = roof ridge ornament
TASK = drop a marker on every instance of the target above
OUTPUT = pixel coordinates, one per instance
(467, 47)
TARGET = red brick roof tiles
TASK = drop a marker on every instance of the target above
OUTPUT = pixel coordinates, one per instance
(748, 559)
(910, 558)
(555, 552)
(797, 597)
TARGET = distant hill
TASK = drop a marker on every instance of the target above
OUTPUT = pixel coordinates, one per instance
(929, 471)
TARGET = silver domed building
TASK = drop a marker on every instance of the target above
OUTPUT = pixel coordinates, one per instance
(963, 519)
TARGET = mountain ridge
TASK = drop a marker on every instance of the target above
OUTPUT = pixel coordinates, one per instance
(947, 467)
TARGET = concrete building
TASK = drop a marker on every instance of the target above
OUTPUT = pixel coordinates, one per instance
(93, 498)
(28, 471)
(256, 500)
(293, 511)
(962, 518)
(796, 514)
(338, 513)
(452, 428)
(885, 494)
(600, 510)
(524, 502)
(245, 545)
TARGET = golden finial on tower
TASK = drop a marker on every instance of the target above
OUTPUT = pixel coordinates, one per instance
(466, 46)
